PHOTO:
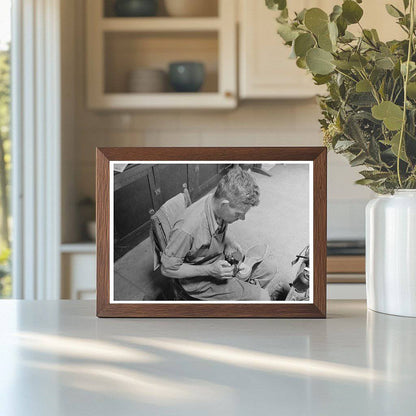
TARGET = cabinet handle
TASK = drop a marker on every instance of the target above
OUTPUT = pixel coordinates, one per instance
(157, 191)
(228, 94)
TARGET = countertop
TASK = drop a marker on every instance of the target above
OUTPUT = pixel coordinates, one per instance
(57, 358)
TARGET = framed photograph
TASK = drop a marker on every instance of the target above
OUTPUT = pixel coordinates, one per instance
(211, 232)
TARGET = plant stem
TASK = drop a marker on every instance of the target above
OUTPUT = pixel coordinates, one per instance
(392, 90)
(369, 41)
(406, 79)
(345, 75)
(373, 90)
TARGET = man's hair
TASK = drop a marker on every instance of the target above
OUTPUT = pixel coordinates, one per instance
(239, 187)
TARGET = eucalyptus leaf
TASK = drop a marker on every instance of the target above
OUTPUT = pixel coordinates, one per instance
(301, 63)
(316, 20)
(381, 89)
(385, 63)
(319, 61)
(393, 11)
(300, 17)
(325, 42)
(375, 35)
(411, 90)
(394, 145)
(363, 86)
(391, 114)
(361, 99)
(276, 4)
(364, 181)
(374, 150)
(336, 12)
(358, 61)
(343, 65)
(377, 74)
(286, 32)
(342, 25)
(351, 11)
(358, 160)
(396, 71)
(282, 19)
(412, 67)
(303, 43)
(347, 37)
(284, 14)
(333, 32)
(343, 145)
(321, 79)
(375, 175)
(368, 35)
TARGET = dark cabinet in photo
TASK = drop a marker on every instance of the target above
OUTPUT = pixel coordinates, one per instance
(141, 188)
(169, 180)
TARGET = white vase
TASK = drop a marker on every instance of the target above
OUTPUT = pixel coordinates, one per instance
(391, 253)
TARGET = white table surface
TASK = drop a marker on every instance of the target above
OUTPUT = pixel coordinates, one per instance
(57, 358)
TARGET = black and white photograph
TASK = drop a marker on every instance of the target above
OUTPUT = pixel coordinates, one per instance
(211, 231)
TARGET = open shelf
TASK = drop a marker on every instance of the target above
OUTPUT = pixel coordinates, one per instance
(116, 46)
(128, 51)
(166, 101)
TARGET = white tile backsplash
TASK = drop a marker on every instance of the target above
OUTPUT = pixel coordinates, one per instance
(272, 123)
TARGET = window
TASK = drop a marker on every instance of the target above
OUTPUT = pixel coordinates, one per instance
(5, 145)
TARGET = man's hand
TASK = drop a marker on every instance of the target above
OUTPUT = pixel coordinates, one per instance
(244, 271)
(221, 269)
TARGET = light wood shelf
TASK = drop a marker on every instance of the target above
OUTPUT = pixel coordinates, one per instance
(129, 101)
(159, 24)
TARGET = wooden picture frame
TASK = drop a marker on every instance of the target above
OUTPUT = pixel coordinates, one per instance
(317, 159)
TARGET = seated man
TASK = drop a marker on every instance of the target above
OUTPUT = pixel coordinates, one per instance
(199, 243)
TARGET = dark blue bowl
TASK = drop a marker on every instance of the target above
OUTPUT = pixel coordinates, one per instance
(186, 76)
(135, 8)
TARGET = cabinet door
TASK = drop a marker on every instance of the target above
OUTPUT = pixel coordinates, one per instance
(133, 199)
(265, 68)
(203, 178)
(169, 181)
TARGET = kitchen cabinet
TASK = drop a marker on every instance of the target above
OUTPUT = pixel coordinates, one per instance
(203, 177)
(118, 45)
(135, 194)
(78, 271)
(265, 70)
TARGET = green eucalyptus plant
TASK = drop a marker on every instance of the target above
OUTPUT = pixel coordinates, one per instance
(369, 113)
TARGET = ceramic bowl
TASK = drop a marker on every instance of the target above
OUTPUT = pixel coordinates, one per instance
(135, 8)
(186, 76)
(147, 80)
